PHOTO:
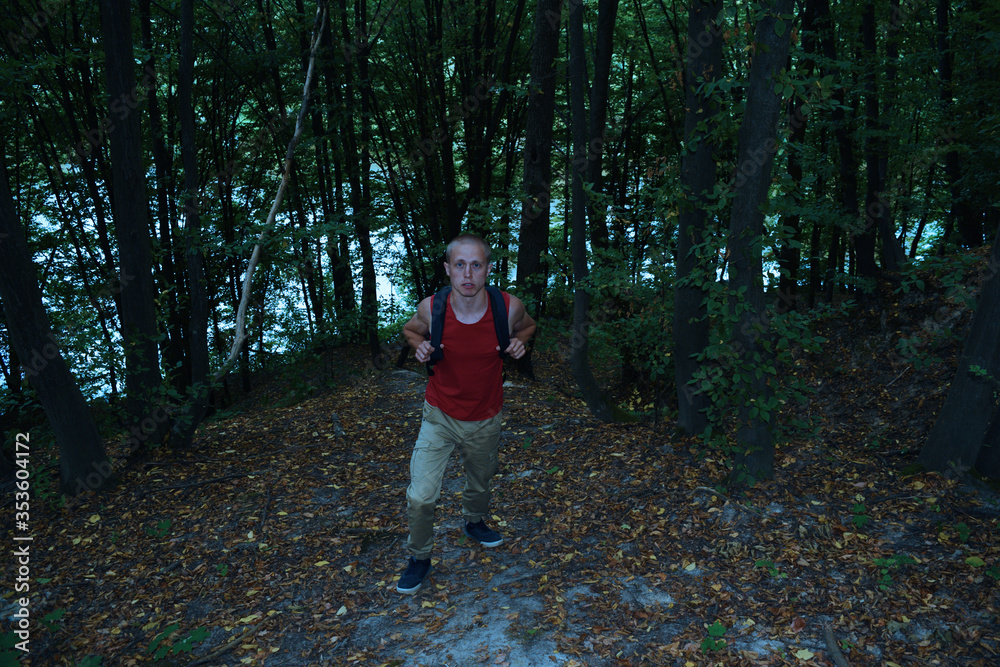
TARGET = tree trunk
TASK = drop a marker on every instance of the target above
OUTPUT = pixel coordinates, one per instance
(168, 274)
(239, 334)
(988, 461)
(579, 347)
(877, 218)
(362, 217)
(338, 244)
(197, 406)
(790, 252)
(970, 227)
(534, 237)
(848, 176)
(757, 144)
(83, 464)
(607, 12)
(694, 269)
(960, 428)
(893, 254)
(138, 315)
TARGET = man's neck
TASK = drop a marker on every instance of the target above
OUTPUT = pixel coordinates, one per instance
(469, 309)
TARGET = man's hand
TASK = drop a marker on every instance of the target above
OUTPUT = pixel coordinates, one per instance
(522, 328)
(516, 348)
(424, 351)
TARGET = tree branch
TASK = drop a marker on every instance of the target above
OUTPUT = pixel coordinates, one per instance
(241, 313)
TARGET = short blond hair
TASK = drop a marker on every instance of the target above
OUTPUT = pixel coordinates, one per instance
(469, 237)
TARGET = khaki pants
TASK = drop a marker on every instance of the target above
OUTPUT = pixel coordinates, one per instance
(478, 443)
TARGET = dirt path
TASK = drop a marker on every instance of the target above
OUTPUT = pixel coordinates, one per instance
(278, 541)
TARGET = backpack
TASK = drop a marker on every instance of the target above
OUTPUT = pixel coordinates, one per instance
(439, 305)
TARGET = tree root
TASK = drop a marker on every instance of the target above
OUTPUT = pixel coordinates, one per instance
(225, 648)
(831, 645)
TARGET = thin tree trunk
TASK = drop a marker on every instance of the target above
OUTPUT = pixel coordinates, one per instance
(877, 219)
(970, 227)
(83, 464)
(698, 177)
(579, 347)
(534, 237)
(757, 143)
(168, 274)
(338, 245)
(848, 176)
(197, 406)
(893, 254)
(362, 225)
(607, 12)
(138, 315)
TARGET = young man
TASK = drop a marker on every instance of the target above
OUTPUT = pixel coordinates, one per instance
(462, 403)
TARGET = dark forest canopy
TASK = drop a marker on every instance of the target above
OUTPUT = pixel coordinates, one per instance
(142, 191)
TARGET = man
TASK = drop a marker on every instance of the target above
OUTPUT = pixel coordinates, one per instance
(463, 401)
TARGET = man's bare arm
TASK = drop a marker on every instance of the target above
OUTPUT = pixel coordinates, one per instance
(415, 331)
(522, 328)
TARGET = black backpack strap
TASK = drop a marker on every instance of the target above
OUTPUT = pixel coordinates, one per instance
(439, 305)
(499, 318)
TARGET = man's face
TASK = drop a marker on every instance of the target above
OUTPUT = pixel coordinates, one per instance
(467, 268)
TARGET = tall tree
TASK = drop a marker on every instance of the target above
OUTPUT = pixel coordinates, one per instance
(970, 228)
(847, 182)
(877, 219)
(83, 464)
(580, 344)
(197, 405)
(757, 141)
(790, 253)
(703, 66)
(362, 214)
(130, 205)
(534, 238)
(607, 12)
(956, 441)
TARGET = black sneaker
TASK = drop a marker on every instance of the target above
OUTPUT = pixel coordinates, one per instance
(481, 533)
(411, 580)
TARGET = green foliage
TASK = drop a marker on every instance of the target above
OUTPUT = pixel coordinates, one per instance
(771, 568)
(985, 376)
(725, 375)
(963, 531)
(948, 273)
(161, 529)
(51, 621)
(859, 516)
(160, 648)
(222, 569)
(889, 565)
(9, 656)
(714, 641)
(45, 486)
(910, 349)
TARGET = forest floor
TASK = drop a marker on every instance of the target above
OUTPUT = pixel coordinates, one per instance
(278, 539)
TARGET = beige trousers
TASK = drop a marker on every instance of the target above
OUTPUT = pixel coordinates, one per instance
(439, 434)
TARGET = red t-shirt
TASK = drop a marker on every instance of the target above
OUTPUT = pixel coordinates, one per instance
(468, 381)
